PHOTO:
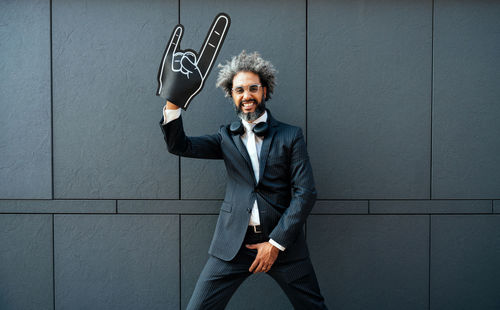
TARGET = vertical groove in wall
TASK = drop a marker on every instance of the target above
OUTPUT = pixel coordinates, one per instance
(307, 46)
(179, 21)
(180, 262)
(179, 179)
(429, 283)
(432, 98)
(51, 105)
(53, 268)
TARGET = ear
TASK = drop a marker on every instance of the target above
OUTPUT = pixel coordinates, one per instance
(264, 88)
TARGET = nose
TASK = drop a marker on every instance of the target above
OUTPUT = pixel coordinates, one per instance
(246, 94)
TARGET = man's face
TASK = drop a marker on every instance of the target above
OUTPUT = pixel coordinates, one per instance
(248, 95)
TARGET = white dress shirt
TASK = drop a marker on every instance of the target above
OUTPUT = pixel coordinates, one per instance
(170, 115)
(254, 157)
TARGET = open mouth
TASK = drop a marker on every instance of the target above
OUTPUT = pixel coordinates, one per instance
(248, 104)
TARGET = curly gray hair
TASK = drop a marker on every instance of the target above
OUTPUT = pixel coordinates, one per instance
(247, 62)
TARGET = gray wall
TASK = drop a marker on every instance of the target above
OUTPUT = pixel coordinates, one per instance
(399, 101)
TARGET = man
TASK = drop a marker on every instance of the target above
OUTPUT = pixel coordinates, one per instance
(269, 194)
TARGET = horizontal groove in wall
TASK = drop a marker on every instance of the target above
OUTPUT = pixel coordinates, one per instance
(170, 206)
(57, 206)
(340, 207)
(212, 206)
(430, 206)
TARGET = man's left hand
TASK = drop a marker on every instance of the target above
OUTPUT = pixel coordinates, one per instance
(266, 256)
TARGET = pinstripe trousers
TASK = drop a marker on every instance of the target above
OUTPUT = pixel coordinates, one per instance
(219, 280)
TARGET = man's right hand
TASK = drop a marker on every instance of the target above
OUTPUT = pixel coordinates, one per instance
(170, 106)
(182, 73)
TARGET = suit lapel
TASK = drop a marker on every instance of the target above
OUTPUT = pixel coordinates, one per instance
(264, 151)
(243, 151)
(266, 144)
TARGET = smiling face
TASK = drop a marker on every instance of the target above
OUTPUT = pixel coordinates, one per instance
(247, 96)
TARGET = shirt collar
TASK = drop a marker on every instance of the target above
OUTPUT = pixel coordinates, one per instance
(261, 119)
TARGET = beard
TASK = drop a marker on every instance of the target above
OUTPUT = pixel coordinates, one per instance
(251, 116)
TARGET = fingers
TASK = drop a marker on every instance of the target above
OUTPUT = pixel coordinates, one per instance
(185, 63)
(188, 64)
(264, 259)
(213, 42)
(172, 47)
(254, 265)
(176, 61)
(260, 265)
(175, 39)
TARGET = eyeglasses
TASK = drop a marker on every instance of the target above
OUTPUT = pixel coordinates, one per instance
(239, 90)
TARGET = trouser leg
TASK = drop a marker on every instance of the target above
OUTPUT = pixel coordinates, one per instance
(217, 283)
(298, 281)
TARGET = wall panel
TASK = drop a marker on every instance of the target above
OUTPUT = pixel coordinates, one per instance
(369, 78)
(25, 100)
(466, 112)
(116, 261)
(107, 142)
(26, 262)
(465, 253)
(371, 262)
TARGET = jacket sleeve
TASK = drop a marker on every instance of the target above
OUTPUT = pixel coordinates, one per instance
(303, 195)
(207, 146)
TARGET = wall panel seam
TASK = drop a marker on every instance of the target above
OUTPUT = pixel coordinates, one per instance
(312, 213)
(429, 258)
(180, 263)
(431, 98)
(180, 180)
(179, 163)
(53, 266)
(306, 63)
(51, 103)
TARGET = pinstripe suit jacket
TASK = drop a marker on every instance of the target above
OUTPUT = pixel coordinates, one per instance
(285, 192)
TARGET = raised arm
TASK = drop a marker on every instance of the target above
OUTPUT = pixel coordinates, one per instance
(207, 146)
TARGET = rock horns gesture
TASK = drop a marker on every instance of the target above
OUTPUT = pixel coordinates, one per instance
(182, 73)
